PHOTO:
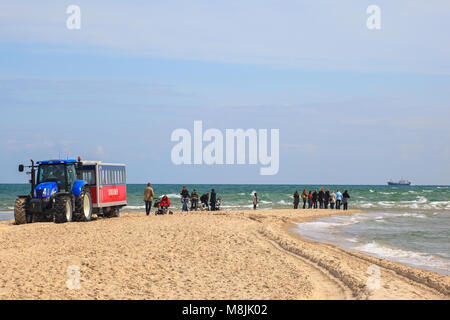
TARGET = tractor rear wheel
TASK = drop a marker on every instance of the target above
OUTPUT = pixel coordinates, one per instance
(20, 211)
(83, 205)
(63, 209)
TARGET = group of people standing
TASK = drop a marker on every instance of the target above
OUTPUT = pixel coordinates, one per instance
(322, 199)
(208, 201)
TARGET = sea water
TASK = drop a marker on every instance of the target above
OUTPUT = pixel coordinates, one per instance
(410, 225)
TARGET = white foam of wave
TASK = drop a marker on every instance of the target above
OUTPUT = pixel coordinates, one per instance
(386, 192)
(422, 199)
(412, 257)
(134, 208)
(366, 205)
(174, 195)
(380, 219)
(321, 225)
(414, 215)
(440, 204)
(265, 202)
(237, 206)
(371, 191)
(386, 203)
(282, 202)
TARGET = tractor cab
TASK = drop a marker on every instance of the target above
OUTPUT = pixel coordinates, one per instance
(55, 176)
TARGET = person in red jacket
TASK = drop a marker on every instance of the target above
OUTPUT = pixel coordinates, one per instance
(165, 202)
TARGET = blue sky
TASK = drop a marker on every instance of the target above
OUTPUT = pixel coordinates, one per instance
(353, 105)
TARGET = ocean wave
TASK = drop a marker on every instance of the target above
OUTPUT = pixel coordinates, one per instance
(320, 225)
(174, 195)
(366, 205)
(237, 206)
(134, 208)
(414, 215)
(421, 203)
(416, 258)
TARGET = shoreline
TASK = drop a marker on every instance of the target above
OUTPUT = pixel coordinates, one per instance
(242, 254)
(326, 234)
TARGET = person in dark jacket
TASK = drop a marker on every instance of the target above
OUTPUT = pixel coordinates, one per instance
(204, 199)
(321, 198)
(213, 200)
(304, 198)
(314, 199)
(184, 198)
(345, 197)
(194, 200)
(326, 199)
(296, 199)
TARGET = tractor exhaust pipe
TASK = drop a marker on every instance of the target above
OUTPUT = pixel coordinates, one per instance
(33, 178)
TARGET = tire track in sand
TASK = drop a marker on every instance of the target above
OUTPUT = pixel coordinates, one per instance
(329, 287)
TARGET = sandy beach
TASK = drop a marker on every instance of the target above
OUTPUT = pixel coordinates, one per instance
(202, 255)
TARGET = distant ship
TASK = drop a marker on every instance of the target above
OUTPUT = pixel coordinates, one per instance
(399, 183)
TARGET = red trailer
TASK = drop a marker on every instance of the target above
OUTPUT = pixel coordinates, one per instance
(108, 185)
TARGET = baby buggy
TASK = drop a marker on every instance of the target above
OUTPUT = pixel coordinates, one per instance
(218, 204)
(163, 206)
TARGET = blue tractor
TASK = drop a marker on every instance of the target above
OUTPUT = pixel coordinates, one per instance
(57, 194)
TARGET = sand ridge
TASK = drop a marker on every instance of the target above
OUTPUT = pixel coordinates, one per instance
(201, 255)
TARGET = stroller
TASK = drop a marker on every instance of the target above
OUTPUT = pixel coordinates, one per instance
(163, 206)
(218, 204)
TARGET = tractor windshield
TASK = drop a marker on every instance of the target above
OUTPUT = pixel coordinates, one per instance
(63, 174)
(52, 173)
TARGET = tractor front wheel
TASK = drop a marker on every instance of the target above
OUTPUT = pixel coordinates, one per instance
(63, 209)
(20, 211)
(83, 205)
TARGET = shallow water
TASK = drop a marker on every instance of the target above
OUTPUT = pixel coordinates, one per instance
(419, 239)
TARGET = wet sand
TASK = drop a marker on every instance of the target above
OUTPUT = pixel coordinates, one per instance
(202, 255)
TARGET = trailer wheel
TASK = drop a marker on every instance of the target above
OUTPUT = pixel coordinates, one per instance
(63, 209)
(116, 212)
(111, 212)
(83, 205)
(20, 211)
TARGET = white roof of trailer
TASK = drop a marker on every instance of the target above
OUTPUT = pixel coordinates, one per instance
(92, 162)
